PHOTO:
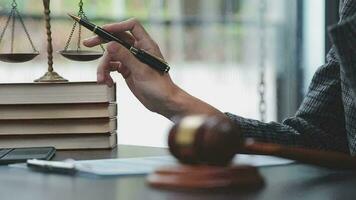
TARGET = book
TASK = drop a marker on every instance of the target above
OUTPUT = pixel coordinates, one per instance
(58, 111)
(57, 126)
(78, 141)
(56, 93)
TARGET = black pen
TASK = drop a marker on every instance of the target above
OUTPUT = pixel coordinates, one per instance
(145, 57)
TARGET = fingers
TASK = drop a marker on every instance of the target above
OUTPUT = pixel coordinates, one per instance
(117, 52)
(103, 71)
(96, 40)
(120, 30)
(93, 41)
(116, 58)
(132, 25)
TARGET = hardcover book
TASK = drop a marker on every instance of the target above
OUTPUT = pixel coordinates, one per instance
(58, 111)
(56, 93)
(57, 126)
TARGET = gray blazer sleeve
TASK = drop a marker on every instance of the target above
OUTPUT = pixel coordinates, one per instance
(318, 123)
(326, 118)
(343, 36)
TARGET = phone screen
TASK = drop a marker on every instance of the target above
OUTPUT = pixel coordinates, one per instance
(19, 155)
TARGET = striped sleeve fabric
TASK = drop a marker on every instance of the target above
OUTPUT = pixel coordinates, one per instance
(319, 122)
(343, 36)
(326, 118)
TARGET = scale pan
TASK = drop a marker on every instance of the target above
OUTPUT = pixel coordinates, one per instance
(81, 55)
(17, 57)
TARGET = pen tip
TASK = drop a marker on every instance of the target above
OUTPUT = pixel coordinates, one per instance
(76, 18)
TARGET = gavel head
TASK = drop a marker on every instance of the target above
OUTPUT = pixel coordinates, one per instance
(211, 140)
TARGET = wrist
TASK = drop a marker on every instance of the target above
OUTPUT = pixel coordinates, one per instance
(179, 104)
(173, 103)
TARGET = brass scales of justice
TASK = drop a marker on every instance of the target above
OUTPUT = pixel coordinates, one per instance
(76, 55)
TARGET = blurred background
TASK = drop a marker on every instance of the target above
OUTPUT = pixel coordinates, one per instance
(219, 51)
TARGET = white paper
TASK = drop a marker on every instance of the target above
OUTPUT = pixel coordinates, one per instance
(123, 166)
(146, 165)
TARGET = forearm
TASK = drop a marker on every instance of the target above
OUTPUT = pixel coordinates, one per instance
(180, 104)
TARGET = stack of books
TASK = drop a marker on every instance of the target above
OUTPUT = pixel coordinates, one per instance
(77, 115)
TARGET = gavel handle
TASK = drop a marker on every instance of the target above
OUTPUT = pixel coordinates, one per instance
(327, 159)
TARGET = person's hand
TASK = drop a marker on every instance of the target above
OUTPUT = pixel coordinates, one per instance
(149, 86)
(155, 90)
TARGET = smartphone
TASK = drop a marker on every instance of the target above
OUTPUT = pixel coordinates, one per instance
(21, 155)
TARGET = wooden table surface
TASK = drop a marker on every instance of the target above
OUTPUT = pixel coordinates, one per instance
(296, 181)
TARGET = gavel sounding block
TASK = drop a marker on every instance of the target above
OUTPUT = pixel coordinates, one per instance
(206, 177)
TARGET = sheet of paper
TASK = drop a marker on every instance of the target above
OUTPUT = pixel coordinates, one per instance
(124, 166)
(145, 165)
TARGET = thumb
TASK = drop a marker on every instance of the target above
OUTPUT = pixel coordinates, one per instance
(117, 52)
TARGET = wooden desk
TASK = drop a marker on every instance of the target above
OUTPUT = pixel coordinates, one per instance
(282, 182)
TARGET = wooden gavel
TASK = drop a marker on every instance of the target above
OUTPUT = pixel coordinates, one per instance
(215, 141)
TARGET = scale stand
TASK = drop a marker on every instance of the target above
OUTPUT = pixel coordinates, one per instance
(76, 55)
(50, 75)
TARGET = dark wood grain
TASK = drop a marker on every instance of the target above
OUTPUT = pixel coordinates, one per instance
(292, 182)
